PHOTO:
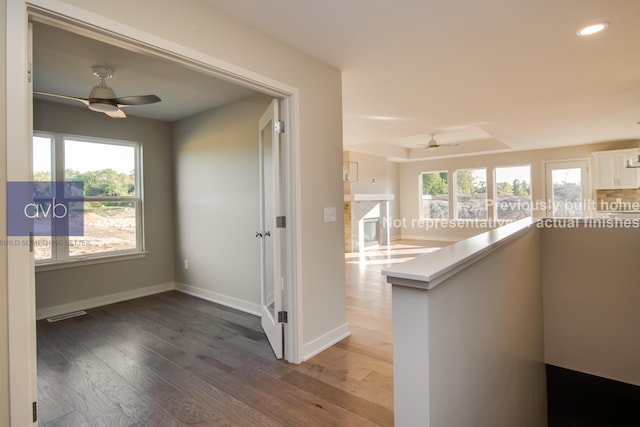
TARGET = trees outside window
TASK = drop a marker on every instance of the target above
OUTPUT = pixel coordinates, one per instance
(513, 192)
(471, 193)
(434, 195)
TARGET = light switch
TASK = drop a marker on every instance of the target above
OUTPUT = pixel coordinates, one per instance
(329, 214)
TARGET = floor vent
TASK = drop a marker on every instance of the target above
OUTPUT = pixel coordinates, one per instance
(66, 316)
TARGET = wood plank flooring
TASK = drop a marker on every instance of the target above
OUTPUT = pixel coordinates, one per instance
(176, 360)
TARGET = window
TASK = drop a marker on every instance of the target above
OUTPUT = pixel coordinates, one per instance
(567, 188)
(513, 192)
(471, 193)
(434, 195)
(112, 206)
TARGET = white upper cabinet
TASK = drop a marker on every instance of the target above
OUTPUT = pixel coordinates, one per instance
(611, 170)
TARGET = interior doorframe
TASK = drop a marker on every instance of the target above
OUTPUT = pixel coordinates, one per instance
(21, 271)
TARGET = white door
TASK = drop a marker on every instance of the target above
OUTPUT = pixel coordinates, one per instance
(568, 189)
(271, 228)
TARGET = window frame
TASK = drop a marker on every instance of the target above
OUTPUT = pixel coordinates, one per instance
(60, 257)
(421, 195)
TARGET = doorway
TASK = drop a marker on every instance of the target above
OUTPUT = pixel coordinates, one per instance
(21, 267)
(567, 189)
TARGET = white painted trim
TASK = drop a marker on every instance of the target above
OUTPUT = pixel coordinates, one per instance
(325, 341)
(43, 313)
(20, 264)
(293, 289)
(431, 238)
(226, 300)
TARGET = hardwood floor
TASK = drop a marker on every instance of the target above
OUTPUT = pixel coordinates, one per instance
(175, 360)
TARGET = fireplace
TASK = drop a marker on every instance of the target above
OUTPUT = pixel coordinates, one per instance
(366, 218)
(371, 232)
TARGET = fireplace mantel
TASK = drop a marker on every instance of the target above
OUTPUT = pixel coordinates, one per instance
(365, 197)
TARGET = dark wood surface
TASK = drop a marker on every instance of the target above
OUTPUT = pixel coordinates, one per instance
(176, 360)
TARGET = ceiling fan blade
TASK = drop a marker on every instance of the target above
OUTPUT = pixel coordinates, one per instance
(72, 98)
(136, 100)
(118, 114)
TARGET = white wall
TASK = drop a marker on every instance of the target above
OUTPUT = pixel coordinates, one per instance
(409, 173)
(73, 285)
(217, 202)
(469, 352)
(592, 301)
(200, 27)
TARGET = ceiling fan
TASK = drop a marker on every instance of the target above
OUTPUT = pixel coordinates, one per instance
(104, 100)
(435, 144)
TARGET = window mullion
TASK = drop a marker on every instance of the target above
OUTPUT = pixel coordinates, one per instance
(60, 244)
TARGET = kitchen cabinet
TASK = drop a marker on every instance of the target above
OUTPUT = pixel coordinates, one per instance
(611, 171)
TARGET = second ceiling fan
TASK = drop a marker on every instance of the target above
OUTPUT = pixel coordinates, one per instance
(435, 144)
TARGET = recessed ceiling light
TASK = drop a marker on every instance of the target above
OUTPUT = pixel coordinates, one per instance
(592, 29)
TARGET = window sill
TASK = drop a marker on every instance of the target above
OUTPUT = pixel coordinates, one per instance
(82, 262)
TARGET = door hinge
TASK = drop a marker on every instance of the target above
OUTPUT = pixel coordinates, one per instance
(34, 411)
(281, 222)
(29, 73)
(279, 125)
(282, 317)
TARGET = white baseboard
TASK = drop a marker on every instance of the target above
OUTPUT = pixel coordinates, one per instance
(242, 305)
(44, 312)
(325, 341)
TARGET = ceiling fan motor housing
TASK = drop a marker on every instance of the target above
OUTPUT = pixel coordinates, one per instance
(100, 98)
(102, 91)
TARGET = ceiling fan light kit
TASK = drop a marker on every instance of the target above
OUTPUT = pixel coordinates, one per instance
(103, 99)
(102, 107)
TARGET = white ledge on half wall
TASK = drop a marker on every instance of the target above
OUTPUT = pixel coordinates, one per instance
(429, 270)
(361, 197)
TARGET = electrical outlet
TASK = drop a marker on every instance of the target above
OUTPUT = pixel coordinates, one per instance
(186, 264)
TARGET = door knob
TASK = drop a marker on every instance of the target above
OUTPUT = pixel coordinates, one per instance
(267, 234)
(258, 234)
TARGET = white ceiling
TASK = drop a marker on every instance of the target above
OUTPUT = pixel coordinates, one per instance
(490, 75)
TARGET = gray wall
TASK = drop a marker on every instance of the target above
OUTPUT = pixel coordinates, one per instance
(592, 301)
(487, 343)
(67, 285)
(217, 202)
